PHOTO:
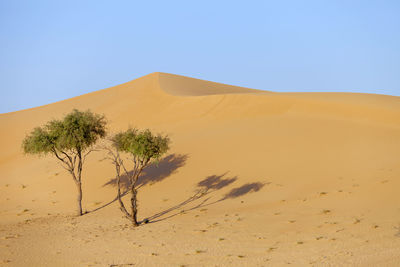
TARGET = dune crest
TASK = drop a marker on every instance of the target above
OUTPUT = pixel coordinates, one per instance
(184, 86)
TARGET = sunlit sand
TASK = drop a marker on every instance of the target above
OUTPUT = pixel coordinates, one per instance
(253, 178)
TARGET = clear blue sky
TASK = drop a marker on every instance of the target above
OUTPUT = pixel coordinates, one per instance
(53, 50)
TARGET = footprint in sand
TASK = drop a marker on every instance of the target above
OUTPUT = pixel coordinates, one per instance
(326, 212)
(10, 236)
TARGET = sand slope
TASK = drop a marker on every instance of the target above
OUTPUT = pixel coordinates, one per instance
(299, 178)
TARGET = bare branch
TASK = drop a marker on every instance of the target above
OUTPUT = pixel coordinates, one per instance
(64, 167)
(87, 153)
(63, 160)
(69, 158)
(74, 161)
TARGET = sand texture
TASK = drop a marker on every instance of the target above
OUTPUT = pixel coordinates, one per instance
(307, 179)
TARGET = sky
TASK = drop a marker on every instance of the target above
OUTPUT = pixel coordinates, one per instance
(54, 50)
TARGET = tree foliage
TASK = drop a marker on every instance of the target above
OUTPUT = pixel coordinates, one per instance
(70, 140)
(77, 132)
(144, 147)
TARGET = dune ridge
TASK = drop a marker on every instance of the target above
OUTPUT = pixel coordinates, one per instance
(300, 178)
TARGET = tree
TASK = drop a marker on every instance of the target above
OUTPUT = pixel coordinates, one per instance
(144, 147)
(70, 140)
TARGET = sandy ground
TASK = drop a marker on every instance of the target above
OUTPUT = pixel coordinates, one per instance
(286, 178)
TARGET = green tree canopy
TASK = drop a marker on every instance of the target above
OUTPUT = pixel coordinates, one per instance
(77, 132)
(70, 140)
(144, 147)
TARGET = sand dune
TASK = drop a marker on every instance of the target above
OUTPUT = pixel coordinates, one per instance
(299, 178)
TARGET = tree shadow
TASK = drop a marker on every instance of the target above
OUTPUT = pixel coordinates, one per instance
(153, 173)
(244, 189)
(215, 182)
(204, 188)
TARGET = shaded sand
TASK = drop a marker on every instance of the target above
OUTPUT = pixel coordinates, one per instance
(254, 178)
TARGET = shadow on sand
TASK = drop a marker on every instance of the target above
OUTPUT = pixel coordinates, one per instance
(204, 188)
(157, 172)
(153, 173)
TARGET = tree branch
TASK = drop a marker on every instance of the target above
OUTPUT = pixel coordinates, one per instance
(62, 159)
(87, 153)
(69, 158)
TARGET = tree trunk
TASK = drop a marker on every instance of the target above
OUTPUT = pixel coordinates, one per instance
(121, 204)
(134, 206)
(79, 199)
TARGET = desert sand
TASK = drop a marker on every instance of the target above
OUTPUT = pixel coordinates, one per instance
(306, 179)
